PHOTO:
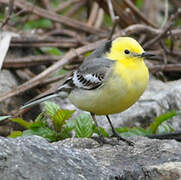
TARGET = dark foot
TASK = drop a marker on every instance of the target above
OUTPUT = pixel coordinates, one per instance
(115, 134)
(101, 140)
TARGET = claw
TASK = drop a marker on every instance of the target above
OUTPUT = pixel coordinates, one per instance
(115, 134)
(101, 140)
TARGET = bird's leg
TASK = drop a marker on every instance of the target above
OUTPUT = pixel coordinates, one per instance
(115, 134)
(101, 138)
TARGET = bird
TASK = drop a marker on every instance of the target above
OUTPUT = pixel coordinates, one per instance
(109, 81)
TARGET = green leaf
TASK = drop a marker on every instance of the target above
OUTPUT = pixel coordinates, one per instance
(40, 121)
(22, 122)
(84, 126)
(159, 120)
(63, 135)
(103, 131)
(135, 131)
(70, 125)
(15, 134)
(62, 72)
(40, 117)
(168, 42)
(165, 128)
(108, 20)
(55, 3)
(42, 131)
(4, 117)
(40, 23)
(52, 51)
(51, 108)
(139, 4)
(60, 117)
(87, 53)
(122, 130)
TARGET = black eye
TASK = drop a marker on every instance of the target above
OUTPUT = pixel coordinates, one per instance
(126, 51)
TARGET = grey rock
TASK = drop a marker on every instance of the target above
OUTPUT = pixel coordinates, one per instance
(34, 158)
(7, 83)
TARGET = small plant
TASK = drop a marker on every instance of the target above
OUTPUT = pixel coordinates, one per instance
(158, 126)
(63, 127)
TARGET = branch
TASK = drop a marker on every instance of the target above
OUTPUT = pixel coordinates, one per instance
(175, 135)
(166, 68)
(138, 13)
(8, 15)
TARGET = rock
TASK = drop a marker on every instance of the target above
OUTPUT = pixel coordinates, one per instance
(7, 83)
(32, 157)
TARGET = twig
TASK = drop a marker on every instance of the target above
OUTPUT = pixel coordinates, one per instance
(138, 13)
(53, 79)
(64, 5)
(141, 28)
(8, 15)
(35, 41)
(100, 18)
(174, 53)
(67, 32)
(177, 3)
(51, 44)
(93, 14)
(47, 4)
(113, 17)
(29, 61)
(124, 20)
(174, 135)
(113, 28)
(22, 75)
(166, 68)
(166, 14)
(76, 7)
(111, 10)
(164, 52)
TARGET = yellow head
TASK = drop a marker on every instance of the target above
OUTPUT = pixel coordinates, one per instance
(126, 50)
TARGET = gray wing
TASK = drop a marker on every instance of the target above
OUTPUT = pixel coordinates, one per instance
(92, 73)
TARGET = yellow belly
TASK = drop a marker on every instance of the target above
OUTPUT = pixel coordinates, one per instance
(117, 94)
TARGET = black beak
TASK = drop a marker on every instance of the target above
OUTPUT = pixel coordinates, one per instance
(147, 54)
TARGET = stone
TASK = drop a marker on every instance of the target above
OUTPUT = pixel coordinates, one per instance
(33, 157)
(7, 83)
